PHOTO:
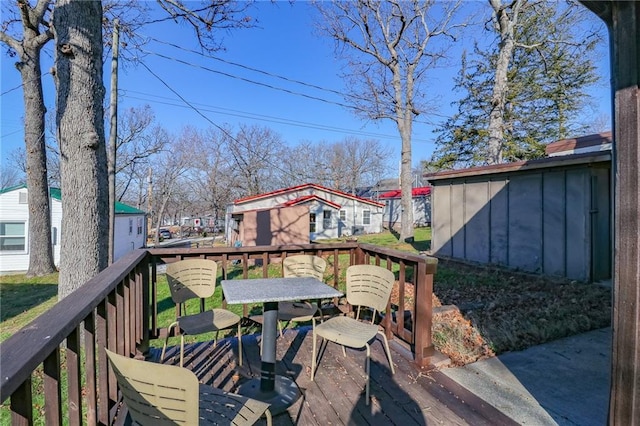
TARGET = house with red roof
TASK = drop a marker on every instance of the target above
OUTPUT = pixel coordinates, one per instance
(420, 200)
(300, 214)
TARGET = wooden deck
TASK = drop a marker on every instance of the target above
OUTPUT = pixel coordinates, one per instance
(410, 397)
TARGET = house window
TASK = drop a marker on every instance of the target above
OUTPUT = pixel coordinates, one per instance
(312, 222)
(140, 224)
(23, 198)
(366, 217)
(326, 219)
(130, 226)
(13, 236)
(343, 215)
(54, 236)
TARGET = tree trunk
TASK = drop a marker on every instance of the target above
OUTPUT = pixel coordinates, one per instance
(404, 120)
(113, 140)
(40, 250)
(83, 157)
(505, 25)
(406, 179)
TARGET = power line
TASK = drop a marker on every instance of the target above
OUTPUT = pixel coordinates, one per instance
(275, 166)
(270, 74)
(246, 80)
(22, 84)
(269, 86)
(11, 133)
(281, 77)
(261, 117)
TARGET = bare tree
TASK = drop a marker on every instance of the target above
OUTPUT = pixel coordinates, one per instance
(255, 152)
(203, 16)
(387, 48)
(169, 179)
(10, 176)
(36, 26)
(34, 21)
(303, 163)
(36, 32)
(343, 165)
(211, 172)
(138, 140)
(354, 163)
(83, 156)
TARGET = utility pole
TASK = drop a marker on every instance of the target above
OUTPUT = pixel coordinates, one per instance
(113, 139)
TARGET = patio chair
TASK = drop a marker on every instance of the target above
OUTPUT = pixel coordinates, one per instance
(159, 394)
(300, 266)
(196, 279)
(368, 286)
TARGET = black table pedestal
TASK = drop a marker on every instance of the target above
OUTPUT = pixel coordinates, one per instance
(279, 391)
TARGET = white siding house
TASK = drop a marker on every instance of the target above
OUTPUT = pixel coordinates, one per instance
(332, 213)
(420, 200)
(130, 232)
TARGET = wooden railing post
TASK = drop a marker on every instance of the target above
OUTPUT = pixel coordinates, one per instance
(358, 256)
(424, 311)
(144, 290)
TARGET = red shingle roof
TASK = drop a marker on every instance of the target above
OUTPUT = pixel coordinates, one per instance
(305, 186)
(415, 192)
(307, 198)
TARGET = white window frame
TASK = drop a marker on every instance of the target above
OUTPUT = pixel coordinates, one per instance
(343, 215)
(140, 225)
(366, 217)
(326, 219)
(24, 236)
(130, 225)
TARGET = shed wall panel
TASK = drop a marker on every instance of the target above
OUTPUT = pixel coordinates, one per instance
(554, 220)
(499, 221)
(578, 241)
(441, 238)
(457, 221)
(525, 222)
(554, 223)
(477, 222)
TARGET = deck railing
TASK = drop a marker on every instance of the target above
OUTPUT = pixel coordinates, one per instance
(61, 351)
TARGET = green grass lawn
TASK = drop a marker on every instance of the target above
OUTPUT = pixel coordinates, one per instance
(23, 299)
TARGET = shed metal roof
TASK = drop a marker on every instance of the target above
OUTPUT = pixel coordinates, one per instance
(521, 166)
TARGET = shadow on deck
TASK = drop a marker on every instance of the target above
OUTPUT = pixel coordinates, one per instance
(412, 396)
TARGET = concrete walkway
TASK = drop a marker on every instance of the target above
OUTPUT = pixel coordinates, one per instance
(564, 382)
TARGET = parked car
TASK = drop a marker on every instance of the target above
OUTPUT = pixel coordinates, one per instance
(165, 234)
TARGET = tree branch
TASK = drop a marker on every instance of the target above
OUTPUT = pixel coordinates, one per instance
(11, 42)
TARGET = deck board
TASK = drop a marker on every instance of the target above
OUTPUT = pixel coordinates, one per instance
(411, 396)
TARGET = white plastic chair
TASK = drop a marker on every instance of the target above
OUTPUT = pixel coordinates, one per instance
(159, 394)
(196, 278)
(302, 265)
(367, 286)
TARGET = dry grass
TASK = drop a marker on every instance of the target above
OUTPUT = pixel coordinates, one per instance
(503, 311)
(489, 311)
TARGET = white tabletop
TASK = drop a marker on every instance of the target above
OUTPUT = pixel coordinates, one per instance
(276, 290)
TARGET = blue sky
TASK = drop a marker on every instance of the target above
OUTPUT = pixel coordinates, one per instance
(284, 43)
